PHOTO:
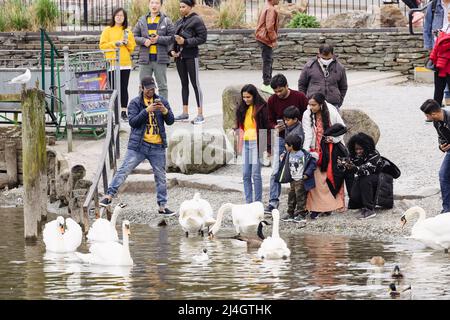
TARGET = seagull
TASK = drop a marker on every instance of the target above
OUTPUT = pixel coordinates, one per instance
(22, 79)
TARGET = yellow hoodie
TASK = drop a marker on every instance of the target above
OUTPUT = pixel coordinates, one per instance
(108, 41)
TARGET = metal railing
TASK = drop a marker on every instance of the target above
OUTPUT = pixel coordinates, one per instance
(107, 162)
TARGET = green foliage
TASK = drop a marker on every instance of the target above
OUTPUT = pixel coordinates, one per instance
(231, 14)
(135, 10)
(302, 20)
(172, 9)
(14, 16)
(2, 23)
(45, 14)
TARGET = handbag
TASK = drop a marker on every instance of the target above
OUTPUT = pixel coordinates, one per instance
(284, 172)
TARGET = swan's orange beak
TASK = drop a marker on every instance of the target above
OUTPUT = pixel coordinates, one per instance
(62, 229)
(128, 230)
(403, 221)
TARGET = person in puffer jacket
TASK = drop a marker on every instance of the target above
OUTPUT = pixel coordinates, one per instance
(365, 164)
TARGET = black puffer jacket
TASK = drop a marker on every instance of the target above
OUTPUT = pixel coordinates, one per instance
(193, 30)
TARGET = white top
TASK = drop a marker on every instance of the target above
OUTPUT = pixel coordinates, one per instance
(309, 129)
(445, 21)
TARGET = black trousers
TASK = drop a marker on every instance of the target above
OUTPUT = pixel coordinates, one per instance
(412, 4)
(439, 87)
(363, 192)
(124, 79)
(188, 69)
(267, 59)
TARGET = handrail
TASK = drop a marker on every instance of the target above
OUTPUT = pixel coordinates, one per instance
(410, 16)
(109, 153)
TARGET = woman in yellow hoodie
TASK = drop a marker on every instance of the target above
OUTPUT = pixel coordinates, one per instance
(117, 34)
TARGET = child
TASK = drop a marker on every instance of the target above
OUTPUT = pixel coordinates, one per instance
(292, 120)
(302, 166)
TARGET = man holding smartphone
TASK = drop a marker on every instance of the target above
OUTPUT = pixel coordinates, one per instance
(148, 140)
(441, 121)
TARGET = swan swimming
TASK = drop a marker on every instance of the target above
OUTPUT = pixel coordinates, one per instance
(274, 247)
(110, 253)
(103, 230)
(62, 235)
(434, 232)
(195, 215)
(246, 217)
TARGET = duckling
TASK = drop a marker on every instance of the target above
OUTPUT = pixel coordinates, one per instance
(397, 274)
(254, 242)
(377, 260)
(393, 290)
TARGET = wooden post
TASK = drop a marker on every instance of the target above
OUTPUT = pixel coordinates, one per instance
(51, 175)
(11, 163)
(34, 160)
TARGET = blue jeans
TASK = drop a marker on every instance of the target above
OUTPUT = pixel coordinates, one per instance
(251, 170)
(275, 187)
(156, 155)
(444, 180)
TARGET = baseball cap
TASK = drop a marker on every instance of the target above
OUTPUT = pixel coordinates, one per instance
(148, 83)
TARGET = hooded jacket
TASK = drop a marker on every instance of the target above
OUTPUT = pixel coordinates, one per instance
(267, 28)
(440, 55)
(193, 30)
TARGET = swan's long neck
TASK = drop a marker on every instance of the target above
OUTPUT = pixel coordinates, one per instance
(222, 209)
(276, 223)
(114, 216)
(126, 242)
(419, 211)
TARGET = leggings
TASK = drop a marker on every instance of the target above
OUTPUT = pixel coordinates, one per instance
(124, 78)
(439, 86)
(189, 67)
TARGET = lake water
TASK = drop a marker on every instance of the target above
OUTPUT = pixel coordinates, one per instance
(320, 267)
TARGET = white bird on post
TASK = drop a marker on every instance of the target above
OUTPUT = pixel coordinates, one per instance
(22, 79)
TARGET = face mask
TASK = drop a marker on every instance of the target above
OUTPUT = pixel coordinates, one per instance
(325, 62)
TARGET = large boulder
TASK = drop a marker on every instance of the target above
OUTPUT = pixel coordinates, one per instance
(350, 19)
(358, 121)
(392, 16)
(201, 151)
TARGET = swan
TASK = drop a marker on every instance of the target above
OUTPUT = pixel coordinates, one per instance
(195, 215)
(254, 242)
(274, 247)
(246, 217)
(62, 235)
(110, 253)
(103, 230)
(433, 232)
(202, 257)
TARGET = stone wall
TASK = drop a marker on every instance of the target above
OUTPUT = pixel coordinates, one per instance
(391, 49)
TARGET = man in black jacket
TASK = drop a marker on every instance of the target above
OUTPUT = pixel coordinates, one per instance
(441, 121)
(190, 32)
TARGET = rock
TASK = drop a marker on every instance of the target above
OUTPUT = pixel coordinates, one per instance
(358, 121)
(351, 19)
(287, 10)
(392, 16)
(377, 260)
(199, 151)
(231, 97)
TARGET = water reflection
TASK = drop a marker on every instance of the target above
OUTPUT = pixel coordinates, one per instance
(320, 267)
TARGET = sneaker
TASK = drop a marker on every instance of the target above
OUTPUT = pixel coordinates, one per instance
(299, 218)
(326, 214)
(198, 120)
(181, 117)
(367, 214)
(105, 202)
(267, 89)
(124, 116)
(268, 209)
(287, 217)
(313, 215)
(166, 212)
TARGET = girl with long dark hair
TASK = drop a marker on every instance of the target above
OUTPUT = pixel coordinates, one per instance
(254, 139)
(118, 35)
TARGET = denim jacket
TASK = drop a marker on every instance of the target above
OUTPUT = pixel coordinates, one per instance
(432, 24)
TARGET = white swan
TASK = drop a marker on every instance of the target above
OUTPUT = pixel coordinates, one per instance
(110, 253)
(274, 247)
(103, 230)
(62, 235)
(433, 232)
(195, 215)
(246, 217)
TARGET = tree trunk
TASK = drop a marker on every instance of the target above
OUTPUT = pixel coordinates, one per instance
(11, 163)
(33, 161)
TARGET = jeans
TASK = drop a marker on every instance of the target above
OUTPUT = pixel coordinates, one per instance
(267, 62)
(251, 171)
(444, 180)
(156, 155)
(159, 70)
(275, 187)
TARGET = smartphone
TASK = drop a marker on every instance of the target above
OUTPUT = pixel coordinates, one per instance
(153, 35)
(280, 122)
(158, 101)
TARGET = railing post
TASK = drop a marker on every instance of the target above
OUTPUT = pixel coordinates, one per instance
(42, 60)
(69, 122)
(117, 85)
(52, 77)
